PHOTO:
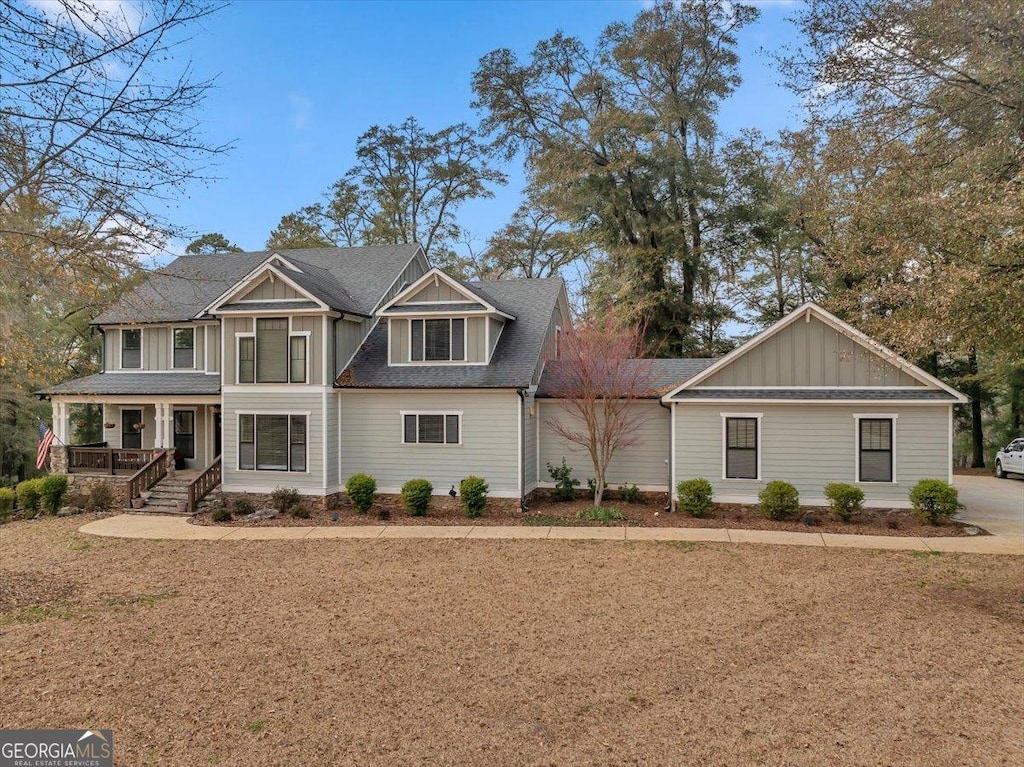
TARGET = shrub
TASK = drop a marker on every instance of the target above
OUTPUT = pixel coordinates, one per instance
(283, 498)
(243, 505)
(52, 490)
(473, 492)
(631, 494)
(300, 510)
(220, 513)
(29, 495)
(7, 496)
(592, 486)
(601, 514)
(779, 500)
(565, 485)
(416, 496)
(101, 498)
(845, 500)
(361, 488)
(934, 500)
(695, 496)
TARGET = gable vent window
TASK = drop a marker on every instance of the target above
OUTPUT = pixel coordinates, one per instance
(131, 348)
(875, 451)
(741, 445)
(431, 428)
(184, 347)
(273, 354)
(438, 340)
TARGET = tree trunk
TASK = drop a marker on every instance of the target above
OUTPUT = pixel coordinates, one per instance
(598, 488)
(977, 432)
(1017, 401)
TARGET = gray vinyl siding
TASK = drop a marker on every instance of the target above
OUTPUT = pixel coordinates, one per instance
(415, 269)
(643, 463)
(812, 445)
(299, 402)
(332, 457)
(530, 415)
(276, 290)
(348, 335)
(496, 327)
(213, 348)
(112, 414)
(371, 439)
(156, 348)
(111, 348)
(559, 319)
(810, 354)
(199, 335)
(398, 331)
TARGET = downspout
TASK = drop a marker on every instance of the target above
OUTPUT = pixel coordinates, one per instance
(103, 348)
(668, 461)
(522, 450)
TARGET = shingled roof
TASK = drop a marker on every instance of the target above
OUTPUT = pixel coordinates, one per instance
(140, 383)
(516, 356)
(660, 376)
(187, 285)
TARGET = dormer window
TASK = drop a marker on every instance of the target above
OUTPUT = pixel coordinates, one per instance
(131, 348)
(438, 340)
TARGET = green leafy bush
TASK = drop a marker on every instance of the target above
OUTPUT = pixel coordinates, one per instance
(473, 492)
(220, 513)
(283, 498)
(779, 500)
(565, 484)
(601, 514)
(933, 500)
(695, 496)
(7, 497)
(29, 495)
(101, 497)
(416, 496)
(845, 500)
(631, 494)
(52, 490)
(361, 488)
(243, 505)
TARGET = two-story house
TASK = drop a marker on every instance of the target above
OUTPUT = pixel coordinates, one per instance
(299, 368)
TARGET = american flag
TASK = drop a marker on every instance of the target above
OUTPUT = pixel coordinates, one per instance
(46, 436)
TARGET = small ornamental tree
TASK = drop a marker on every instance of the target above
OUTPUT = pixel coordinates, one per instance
(599, 377)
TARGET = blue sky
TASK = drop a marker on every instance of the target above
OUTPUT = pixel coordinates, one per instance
(298, 82)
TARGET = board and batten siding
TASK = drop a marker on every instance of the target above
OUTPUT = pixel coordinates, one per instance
(435, 292)
(233, 325)
(300, 323)
(298, 402)
(273, 290)
(415, 269)
(371, 439)
(112, 415)
(810, 354)
(810, 445)
(643, 463)
(348, 337)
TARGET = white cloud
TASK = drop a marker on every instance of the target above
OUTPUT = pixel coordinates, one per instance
(124, 16)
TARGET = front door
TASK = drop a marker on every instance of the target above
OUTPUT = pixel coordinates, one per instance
(131, 429)
(216, 433)
(185, 433)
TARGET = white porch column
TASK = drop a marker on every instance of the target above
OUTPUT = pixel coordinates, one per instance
(168, 425)
(158, 425)
(61, 422)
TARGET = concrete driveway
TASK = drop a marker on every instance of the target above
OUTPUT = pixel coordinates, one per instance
(997, 505)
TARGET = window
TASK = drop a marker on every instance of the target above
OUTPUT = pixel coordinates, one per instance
(272, 354)
(431, 428)
(741, 445)
(185, 433)
(297, 359)
(875, 449)
(184, 347)
(438, 340)
(131, 429)
(246, 359)
(272, 442)
(131, 348)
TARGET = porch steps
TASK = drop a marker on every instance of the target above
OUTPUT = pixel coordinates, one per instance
(165, 495)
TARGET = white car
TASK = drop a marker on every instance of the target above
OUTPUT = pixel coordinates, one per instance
(1011, 459)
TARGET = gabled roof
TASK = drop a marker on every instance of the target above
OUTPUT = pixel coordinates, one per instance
(475, 296)
(181, 290)
(661, 375)
(516, 356)
(807, 310)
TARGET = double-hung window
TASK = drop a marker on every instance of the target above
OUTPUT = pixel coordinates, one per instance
(874, 449)
(184, 347)
(271, 442)
(131, 348)
(741, 447)
(438, 340)
(431, 428)
(272, 354)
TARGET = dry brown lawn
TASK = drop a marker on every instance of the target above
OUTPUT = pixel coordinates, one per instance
(334, 652)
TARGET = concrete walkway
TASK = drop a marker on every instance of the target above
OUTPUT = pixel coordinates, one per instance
(160, 527)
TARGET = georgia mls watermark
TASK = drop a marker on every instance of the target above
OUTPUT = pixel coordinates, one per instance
(56, 748)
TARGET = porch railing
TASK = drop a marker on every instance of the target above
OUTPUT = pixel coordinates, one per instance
(148, 475)
(203, 484)
(108, 460)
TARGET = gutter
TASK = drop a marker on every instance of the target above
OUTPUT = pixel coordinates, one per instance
(668, 461)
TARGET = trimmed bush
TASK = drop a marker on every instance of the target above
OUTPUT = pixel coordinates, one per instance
(416, 496)
(361, 489)
(101, 498)
(631, 494)
(565, 485)
(473, 493)
(29, 495)
(220, 513)
(243, 505)
(934, 501)
(779, 500)
(52, 490)
(7, 498)
(845, 500)
(695, 496)
(284, 498)
(601, 514)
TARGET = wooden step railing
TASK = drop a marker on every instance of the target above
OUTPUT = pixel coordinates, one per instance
(108, 460)
(199, 487)
(148, 475)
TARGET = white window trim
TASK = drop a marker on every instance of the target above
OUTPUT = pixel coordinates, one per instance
(857, 418)
(142, 348)
(725, 442)
(175, 329)
(238, 439)
(120, 426)
(401, 434)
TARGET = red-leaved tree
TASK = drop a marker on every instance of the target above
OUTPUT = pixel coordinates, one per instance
(599, 378)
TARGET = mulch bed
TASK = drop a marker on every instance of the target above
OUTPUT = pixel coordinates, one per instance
(897, 522)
